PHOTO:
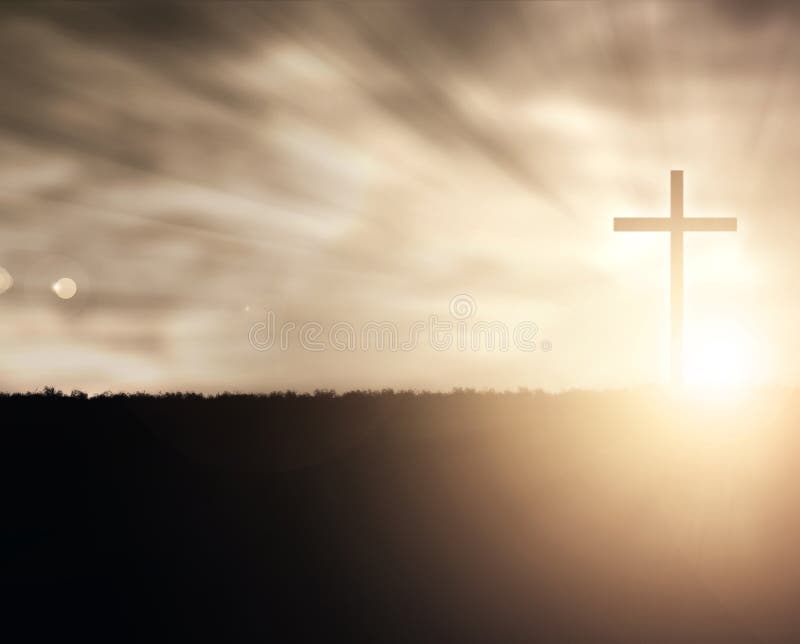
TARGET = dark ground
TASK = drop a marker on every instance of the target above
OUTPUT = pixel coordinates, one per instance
(583, 517)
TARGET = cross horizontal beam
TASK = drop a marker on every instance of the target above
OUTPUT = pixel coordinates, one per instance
(674, 224)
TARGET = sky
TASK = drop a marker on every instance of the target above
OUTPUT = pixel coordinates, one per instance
(197, 168)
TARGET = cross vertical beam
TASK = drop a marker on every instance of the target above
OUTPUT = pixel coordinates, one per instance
(676, 278)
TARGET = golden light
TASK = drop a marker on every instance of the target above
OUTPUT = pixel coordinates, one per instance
(721, 356)
(65, 288)
(6, 281)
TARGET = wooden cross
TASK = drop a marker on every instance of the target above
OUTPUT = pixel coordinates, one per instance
(676, 224)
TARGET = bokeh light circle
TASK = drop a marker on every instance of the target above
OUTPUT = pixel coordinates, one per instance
(6, 281)
(65, 288)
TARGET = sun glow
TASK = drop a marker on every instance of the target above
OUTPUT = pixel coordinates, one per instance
(722, 356)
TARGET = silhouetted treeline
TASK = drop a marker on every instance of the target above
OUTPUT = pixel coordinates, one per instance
(402, 517)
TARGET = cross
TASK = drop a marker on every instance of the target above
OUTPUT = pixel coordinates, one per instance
(676, 224)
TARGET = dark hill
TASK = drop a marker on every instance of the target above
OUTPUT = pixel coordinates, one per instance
(394, 517)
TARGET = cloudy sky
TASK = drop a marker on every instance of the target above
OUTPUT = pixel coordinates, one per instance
(194, 166)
